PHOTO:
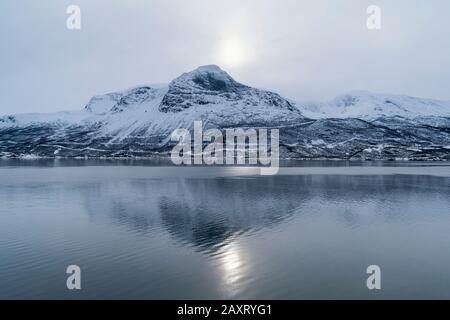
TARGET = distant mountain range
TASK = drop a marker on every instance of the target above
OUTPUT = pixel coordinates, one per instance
(138, 122)
(369, 106)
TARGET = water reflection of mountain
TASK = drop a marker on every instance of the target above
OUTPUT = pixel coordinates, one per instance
(206, 213)
(215, 210)
(199, 212)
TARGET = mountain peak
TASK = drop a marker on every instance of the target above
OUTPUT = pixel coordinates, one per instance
(209, 78)
(213, 87)
(209, 68)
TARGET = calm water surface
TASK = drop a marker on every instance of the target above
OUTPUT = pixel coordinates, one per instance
(195, 233)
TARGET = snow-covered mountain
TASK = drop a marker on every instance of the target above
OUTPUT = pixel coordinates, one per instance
(139, 121)
(370, 106)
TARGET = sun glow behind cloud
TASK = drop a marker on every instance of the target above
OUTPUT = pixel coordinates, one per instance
(301, 49)
(233, 52)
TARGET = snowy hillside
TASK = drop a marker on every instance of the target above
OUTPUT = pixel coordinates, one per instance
(369, 106)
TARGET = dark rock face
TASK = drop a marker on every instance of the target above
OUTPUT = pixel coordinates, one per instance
(137, 95)
(8, 119)
(210, 82)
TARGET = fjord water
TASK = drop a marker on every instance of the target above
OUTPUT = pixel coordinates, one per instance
(210, 233)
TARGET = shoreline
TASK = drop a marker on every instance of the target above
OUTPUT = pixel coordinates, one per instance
(30, 174)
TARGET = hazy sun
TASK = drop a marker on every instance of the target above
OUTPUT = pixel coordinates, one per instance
(232, 53)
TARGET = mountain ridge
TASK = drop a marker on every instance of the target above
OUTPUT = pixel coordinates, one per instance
(368, 105)
(138, 122)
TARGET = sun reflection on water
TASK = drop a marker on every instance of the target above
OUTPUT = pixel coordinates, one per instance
(233, 268)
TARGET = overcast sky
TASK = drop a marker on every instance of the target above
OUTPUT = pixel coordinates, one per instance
(302, 49)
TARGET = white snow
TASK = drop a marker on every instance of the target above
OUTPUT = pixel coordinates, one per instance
(369, 106)
(317, 142)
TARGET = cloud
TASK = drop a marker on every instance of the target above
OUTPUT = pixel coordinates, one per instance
(302, 49)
